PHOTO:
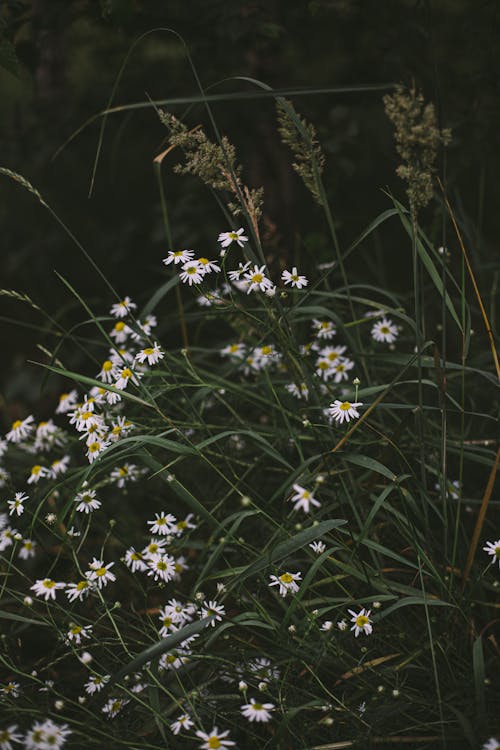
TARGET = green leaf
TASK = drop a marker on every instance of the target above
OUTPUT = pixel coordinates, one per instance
(410, 601)
(19, 618)
(370, 463)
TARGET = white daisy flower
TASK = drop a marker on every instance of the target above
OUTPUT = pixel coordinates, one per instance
(362, 622)
(37, 472)
(493, 549)
(214, 739)
(179, 527)
(327, 626)
(255, 711)
(299, 391)
(126, 473)
(341, 369)
(96, 683)
(225, 238)
(59, 466)
(239, 272)
(95, 448)
(491, 744)
(303, 499)
(100, 573)
(46, 734)
(163, 524)
(182, 722)
(47, 588)
(324, 329)
(155, 546)
(344, 411)
(121, 309)
(67, 401)
(384, 331)
(212, 608)
(77, 632)
(120, 332)
(9, 735)
(21, 430)
(87, 501)
(152, 354)
(208, 266)
(126, 375)
(161, 566)
(114, 706)
(294, 279)
(108, 372)
(28, 549)
(79, 590)
(17, 504)
(257, 279)
(286, 582)
(332, 353)
(135, 560)
(192, 273)
(12, 689)
(178, 256)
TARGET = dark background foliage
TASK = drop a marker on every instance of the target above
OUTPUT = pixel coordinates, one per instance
(58, 63)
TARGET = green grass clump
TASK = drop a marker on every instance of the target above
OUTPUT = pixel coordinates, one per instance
(270, 534)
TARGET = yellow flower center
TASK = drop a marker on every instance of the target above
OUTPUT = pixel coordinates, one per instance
(345, 406)
(136, 556)
(203, 261)
(323, 366)
(384, 329)
(266, 350)
(181, 525)
(286, 578)
(16, 424)
(81, 585)
(119, 326)
(36, 470)
(148, 351)
(256, 278)
(101, 572)
(94, 447)
(48, 584)
(126, 373)
(332, 356)
(362, 620)
(214, 742)
(123, 471)
(497, 552)
(257, 706)
(76, 629)
(107, 365)
(191, 269)
(87, 415)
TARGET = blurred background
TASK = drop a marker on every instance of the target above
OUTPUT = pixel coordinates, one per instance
(58, 63)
